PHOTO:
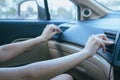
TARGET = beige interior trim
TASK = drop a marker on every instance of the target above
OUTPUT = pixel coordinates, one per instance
(111, 74)
(39, 52)
(98, 10)
(96, 66)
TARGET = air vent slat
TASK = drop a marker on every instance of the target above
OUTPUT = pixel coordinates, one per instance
(110, 33)
(109, 48)
(112, 36)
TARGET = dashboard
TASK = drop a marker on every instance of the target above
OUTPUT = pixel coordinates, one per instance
(78, 33)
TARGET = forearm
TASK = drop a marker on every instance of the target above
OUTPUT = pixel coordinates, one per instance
(15, 73)
(45, 70)
(10, 50)
(48, 69)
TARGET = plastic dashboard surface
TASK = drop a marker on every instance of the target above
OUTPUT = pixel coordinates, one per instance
(78, 33)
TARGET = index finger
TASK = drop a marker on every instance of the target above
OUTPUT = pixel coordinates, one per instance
(108, 42)
(102, 36)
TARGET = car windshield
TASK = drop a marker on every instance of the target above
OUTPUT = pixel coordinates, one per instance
(110, 4)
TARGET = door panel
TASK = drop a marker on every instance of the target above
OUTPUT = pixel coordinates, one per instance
(20, 30)
(39, 52)
(96, 67)
(13, 29)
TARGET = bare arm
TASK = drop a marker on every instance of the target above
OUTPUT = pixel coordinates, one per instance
(46, 70)
(11, 50)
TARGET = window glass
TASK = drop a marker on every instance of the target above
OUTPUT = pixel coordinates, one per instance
(9, 9)
(29, 10)
(111, 4)
(62, 9)
(22, 9)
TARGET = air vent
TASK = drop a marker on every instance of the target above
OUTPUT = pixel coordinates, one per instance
(112, 36)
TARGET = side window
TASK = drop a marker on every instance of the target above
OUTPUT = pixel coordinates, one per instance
(62, 10)
(22, 9)
(9, 9)
(32, 9)
(28, 10)
(110, 4)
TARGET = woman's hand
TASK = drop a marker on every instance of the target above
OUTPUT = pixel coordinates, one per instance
(50, 31)
(95, 42)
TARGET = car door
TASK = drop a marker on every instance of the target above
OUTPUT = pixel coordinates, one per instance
(24, 20)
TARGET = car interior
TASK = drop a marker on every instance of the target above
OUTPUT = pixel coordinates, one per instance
(90, 17)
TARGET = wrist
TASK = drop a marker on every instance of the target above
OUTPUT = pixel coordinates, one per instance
(41, 38)
(87, 53)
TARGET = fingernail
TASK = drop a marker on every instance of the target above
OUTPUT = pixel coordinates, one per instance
(111, 42)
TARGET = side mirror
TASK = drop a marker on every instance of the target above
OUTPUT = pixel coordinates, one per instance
(28, 9)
